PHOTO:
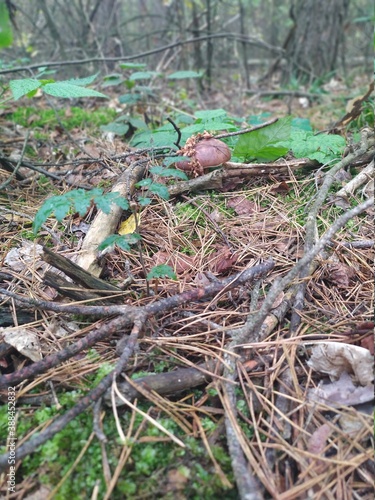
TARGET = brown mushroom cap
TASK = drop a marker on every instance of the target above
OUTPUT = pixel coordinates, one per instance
(208, 153)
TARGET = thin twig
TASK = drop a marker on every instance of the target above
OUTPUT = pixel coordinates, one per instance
(61, 422)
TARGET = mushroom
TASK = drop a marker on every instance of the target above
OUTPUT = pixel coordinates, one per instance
(207, 152)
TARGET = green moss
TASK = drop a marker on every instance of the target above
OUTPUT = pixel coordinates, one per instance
(145, 474)
(79, 117)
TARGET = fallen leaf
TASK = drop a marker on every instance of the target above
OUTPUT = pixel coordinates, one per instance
(222, 260)
(368, 343)
(335, 358)
(20, 258)
(318, 439)
(129, 225)
(281, 188)
(177, 260)
(242, 206)
(342, 392)
(340, 274)
(24, 341)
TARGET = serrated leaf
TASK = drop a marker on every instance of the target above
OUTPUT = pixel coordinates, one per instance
(161, 271)
(209, 114)
(168, 172)
(80, 200)
(144, 201)
(81, 81)
(108, 242)
(115, 128)
(129, 98)
(130, 65)
(178, 75)
(123, 242)
(61, 207)
(302, 124)
(138, 123)
(43, 213)
(322, 147)
(265, 144)
(169, 161)
(22, 87)
(160, 190)
(66, 90)
(121, 202)
(143, 75)
(156, 139)
(111, 81)
(144, 183)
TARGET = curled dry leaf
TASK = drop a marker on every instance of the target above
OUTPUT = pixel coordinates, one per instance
(20, 258)
(341, 393)
(335, 358)
(24, 341)
(222, 260)
(340, 274)
(242, 206)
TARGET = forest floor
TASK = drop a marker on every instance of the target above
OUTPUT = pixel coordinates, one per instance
(238, 392)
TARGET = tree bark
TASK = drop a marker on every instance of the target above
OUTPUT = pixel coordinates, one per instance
(312, 46)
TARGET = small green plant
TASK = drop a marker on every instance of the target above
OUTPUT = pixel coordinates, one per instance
(64, 89)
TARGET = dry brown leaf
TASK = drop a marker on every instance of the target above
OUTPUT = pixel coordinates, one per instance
(368, 343)
(242, 206)
(24, 341)
(340, 274)
(335, 358)
(342, 393)
(178, 261)
(222, 260)
(318, 439)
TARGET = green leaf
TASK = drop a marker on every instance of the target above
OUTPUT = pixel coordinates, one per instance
(115, 128)
(143, 75)
(322, 148)
(22, 87)
(168, 172)
(302, 124)
(81, 81)
(64, 89)
(130, 65)
(129, 98)
(79, 201)
(144, 201)
(43, 213)
(138, 123)
(178, 75)
(122, 241)
(112, 80)
(266, 144)
(160, 190)
(209, 114)
(105, 201)
(6, 34)
(161, 271)
(144, 183)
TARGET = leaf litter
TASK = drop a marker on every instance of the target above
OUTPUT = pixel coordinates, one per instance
(282, 430)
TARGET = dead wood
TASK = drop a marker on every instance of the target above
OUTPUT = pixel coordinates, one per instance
(230, 170)
(106, 224)
(170, 383)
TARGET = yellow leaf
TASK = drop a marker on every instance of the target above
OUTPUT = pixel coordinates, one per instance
(128, 226)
